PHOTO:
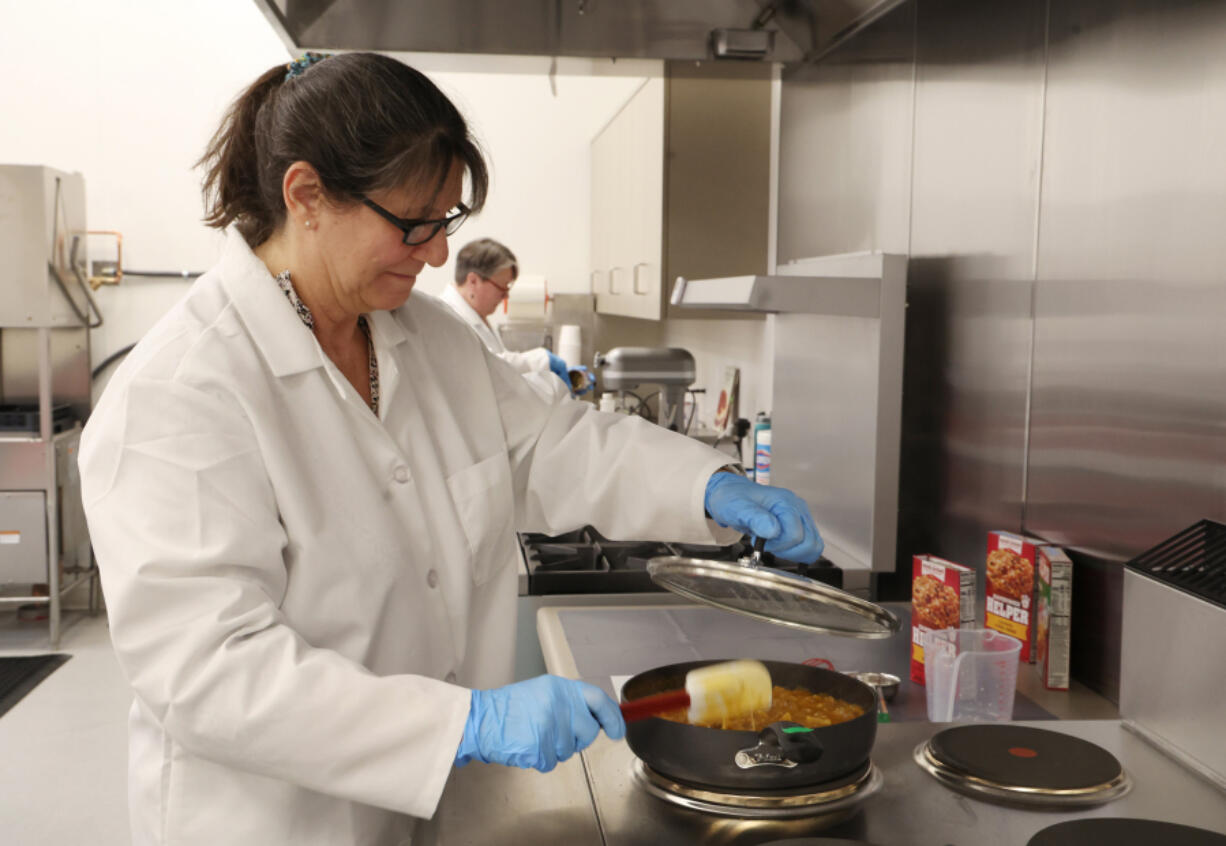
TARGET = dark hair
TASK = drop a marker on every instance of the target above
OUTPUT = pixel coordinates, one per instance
(364, 121)
(484, 257)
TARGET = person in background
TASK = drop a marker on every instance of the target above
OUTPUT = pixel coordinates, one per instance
(304, 484)
(485, 272)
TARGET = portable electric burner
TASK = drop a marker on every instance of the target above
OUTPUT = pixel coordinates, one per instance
(1021, 764)
(1124, 832)
(818, 841)
(833, 801)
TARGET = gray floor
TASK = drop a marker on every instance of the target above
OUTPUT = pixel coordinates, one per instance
(63, 747)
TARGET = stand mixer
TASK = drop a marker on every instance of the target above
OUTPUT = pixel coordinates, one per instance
(672, 368)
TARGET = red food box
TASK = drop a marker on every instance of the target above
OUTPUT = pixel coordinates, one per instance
(1011, 588)
(1055, 616)
(942, 597)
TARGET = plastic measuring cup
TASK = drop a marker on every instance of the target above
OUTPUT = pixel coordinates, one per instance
(970, 675)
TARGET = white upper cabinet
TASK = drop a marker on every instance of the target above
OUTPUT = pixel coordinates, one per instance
(680, 186)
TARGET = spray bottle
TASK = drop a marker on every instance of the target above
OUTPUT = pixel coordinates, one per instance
(762, 449)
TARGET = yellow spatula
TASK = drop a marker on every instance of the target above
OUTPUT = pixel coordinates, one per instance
(713, 693)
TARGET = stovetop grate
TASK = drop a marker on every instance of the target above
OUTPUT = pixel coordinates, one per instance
(1193, 560)
(584, 561)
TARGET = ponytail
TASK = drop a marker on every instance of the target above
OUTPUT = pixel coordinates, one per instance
(232, 189)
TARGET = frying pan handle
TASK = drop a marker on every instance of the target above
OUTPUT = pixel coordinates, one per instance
(796, 743)
(649, 706)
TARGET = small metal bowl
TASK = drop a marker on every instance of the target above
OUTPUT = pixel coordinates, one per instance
(884, 682)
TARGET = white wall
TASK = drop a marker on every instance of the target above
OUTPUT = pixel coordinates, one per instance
(539, 154)
(129, 92)
(719, 344)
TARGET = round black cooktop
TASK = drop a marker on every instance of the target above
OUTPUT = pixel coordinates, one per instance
(1021, 756)
(817, 841)
(1109, 831)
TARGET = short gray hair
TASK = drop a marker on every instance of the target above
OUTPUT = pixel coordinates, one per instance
(484, 257)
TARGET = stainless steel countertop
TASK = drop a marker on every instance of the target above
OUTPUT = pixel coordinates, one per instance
(494, 805)
(911, 809)
(486, 804)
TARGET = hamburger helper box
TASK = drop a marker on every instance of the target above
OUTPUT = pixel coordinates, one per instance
(942, 597)
(1010, 588)
(1055, 615)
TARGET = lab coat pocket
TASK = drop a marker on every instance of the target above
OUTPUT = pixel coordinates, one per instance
(483, 500)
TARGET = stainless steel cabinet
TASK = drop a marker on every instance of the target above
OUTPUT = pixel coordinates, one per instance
(23, 537)
(681, 186)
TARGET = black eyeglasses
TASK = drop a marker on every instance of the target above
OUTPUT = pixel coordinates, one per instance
(420, 231)
(504, 289)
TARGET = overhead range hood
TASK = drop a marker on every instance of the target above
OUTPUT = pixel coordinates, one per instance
(788, 31)
(864, 284)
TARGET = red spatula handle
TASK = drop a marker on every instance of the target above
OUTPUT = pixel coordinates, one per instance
(649, 706)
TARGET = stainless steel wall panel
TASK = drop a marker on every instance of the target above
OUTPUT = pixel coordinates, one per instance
(836, 416)
(1128, 427)
(845, 146)
(978, 141)
(1128, 414)
(928, 141)
(1077, 144)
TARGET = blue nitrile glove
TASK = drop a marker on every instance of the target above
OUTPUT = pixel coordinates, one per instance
(558, 365)
(537, 723)
(776, 514)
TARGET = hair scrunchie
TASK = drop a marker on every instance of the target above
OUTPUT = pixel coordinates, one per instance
(299, 67)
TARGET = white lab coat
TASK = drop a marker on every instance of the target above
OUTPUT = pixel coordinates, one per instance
(533, 364)
(528, 361)
(301, 594)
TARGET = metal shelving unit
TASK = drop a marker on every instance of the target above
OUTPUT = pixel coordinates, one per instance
(45, 320)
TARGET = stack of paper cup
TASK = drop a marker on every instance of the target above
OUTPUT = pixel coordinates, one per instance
(570, 344)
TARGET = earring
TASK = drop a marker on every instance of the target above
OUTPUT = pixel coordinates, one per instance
(307, 224)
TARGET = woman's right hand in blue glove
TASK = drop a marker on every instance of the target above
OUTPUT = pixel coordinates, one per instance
(775, 514)
(537, 723)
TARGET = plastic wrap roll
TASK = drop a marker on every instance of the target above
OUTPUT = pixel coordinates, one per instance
(528, 298)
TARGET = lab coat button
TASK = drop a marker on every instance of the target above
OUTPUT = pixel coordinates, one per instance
(401, 474)
(432, 578)
(450, 679)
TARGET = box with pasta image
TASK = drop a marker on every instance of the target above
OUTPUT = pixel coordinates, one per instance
(942, 597)
(1010, 583)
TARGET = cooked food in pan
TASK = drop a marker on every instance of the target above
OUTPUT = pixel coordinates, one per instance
(814, 710)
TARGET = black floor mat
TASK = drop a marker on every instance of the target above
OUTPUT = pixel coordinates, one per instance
(19, 674)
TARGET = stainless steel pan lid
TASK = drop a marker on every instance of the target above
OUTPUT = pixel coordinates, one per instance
(746, 587)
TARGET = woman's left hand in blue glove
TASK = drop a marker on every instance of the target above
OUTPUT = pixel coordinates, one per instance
(775, 514)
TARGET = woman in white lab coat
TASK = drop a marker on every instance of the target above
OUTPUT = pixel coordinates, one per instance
(485, 272)
(303, 487)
